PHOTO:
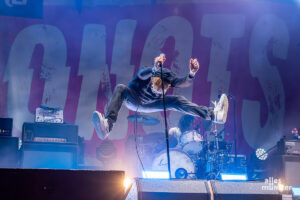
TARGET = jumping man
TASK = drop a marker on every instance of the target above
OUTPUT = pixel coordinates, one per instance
(144, 94)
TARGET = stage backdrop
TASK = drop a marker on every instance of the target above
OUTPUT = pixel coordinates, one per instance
(62, 56)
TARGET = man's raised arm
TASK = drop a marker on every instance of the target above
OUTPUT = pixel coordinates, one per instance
(188, 79)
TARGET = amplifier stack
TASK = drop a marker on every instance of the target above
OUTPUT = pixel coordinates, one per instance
(49, 145)
(289, 147)
(287, 161)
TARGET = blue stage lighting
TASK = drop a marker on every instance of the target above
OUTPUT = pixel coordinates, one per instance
(296, 191)
(234, 177)
(156, 174)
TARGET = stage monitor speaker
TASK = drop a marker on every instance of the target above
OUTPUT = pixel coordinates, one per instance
(9, 153)
(45, 184)
(251, 190)
(50, 156)
(156, 189)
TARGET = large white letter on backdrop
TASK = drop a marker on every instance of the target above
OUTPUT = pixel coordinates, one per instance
(221, 28)
(19, 76)
(121, 66)
(93, 69)
(268, 28)
(183, 45)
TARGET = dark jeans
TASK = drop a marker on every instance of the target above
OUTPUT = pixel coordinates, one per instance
(173, 102)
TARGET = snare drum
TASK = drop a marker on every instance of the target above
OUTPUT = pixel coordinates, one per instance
(182, 166)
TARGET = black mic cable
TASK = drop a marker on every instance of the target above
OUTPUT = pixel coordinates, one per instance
(135, 137)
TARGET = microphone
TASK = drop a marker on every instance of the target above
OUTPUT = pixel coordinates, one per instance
(159, 63)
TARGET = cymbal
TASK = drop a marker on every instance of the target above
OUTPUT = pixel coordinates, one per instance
(143, 119)
(159, 138)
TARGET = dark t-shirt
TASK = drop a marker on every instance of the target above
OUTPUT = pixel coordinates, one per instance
(141, 86)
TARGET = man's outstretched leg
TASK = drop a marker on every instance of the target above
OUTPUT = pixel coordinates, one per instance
(104, 123)
(218, 114)
(101, 125)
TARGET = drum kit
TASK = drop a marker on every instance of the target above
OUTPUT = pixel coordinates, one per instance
(192, 156)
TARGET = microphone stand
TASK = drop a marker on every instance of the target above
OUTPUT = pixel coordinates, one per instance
(165, 118)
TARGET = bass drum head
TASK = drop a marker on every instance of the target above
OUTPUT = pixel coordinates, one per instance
(180, 162)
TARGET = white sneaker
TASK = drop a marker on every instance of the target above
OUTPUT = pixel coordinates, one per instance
(101, 125)
(221, 110)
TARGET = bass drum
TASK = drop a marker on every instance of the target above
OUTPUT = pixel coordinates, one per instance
(182, 166)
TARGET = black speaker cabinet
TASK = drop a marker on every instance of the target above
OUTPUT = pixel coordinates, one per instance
(9, 153)
(6, 125)
(287, 169)
(155, 189)
(45, 184)
(50, 156)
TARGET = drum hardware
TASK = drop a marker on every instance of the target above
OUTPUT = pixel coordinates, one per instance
(208, 157)
(198, 159)
(181, 173)
(216, 152)
(143, 119)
